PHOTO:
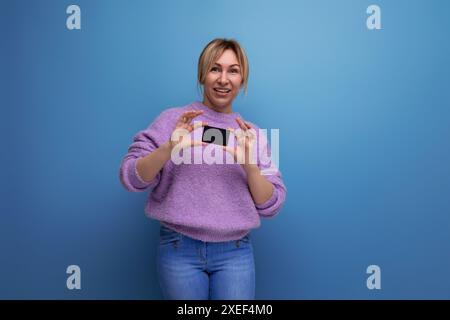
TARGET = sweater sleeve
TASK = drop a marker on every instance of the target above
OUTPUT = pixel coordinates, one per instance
(271, 172)
(144, 142)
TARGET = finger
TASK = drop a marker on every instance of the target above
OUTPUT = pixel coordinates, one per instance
(229, 150)
(251, 133)
(198, 124)
(236, 133)
(187, 115)
(187, 144)
(192, 112)
(239, 134)
(248, 125)
(241, 124)
(191, 117)
(231, 130)
(182, 119)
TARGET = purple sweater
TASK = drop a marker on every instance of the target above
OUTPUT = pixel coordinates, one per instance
(208, 202)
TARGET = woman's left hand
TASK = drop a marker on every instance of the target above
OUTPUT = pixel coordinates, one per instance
(245, 138)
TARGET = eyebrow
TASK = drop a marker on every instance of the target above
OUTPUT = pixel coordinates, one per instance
(230, 65)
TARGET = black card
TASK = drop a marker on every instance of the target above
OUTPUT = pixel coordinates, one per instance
(215, 135)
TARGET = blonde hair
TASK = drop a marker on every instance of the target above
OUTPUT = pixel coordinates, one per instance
(213, 51)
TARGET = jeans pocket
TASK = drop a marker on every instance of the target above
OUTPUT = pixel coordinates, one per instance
(169, 236)
(245, 240)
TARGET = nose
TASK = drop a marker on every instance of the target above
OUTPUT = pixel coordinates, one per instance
(223, 78)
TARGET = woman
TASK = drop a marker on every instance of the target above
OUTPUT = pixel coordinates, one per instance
(206, 210)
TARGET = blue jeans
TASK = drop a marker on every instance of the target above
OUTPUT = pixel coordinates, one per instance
(191, 269)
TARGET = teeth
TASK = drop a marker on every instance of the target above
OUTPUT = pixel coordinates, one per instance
(223, 90)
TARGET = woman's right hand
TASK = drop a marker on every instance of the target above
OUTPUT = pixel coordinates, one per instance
(183, 128)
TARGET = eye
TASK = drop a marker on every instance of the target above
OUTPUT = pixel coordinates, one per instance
(214, 69)
(234, 71)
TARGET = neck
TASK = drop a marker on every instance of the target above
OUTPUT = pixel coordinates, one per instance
(227, 109)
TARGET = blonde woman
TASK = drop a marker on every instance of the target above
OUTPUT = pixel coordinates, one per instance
(206, 210)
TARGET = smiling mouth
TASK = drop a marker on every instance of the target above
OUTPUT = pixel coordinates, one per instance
(222, 90)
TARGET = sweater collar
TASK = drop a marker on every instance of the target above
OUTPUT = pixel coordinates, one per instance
(219, 116)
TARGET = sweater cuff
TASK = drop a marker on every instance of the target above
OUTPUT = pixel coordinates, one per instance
(134, 177)
(269, 202)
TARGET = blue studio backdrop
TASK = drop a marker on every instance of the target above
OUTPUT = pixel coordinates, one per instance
(364, 120)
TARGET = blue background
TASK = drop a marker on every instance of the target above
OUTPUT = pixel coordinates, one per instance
(364, 125)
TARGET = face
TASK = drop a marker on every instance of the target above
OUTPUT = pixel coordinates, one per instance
(223, 82)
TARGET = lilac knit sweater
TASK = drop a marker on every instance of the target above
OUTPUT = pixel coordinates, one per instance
(208, 202)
